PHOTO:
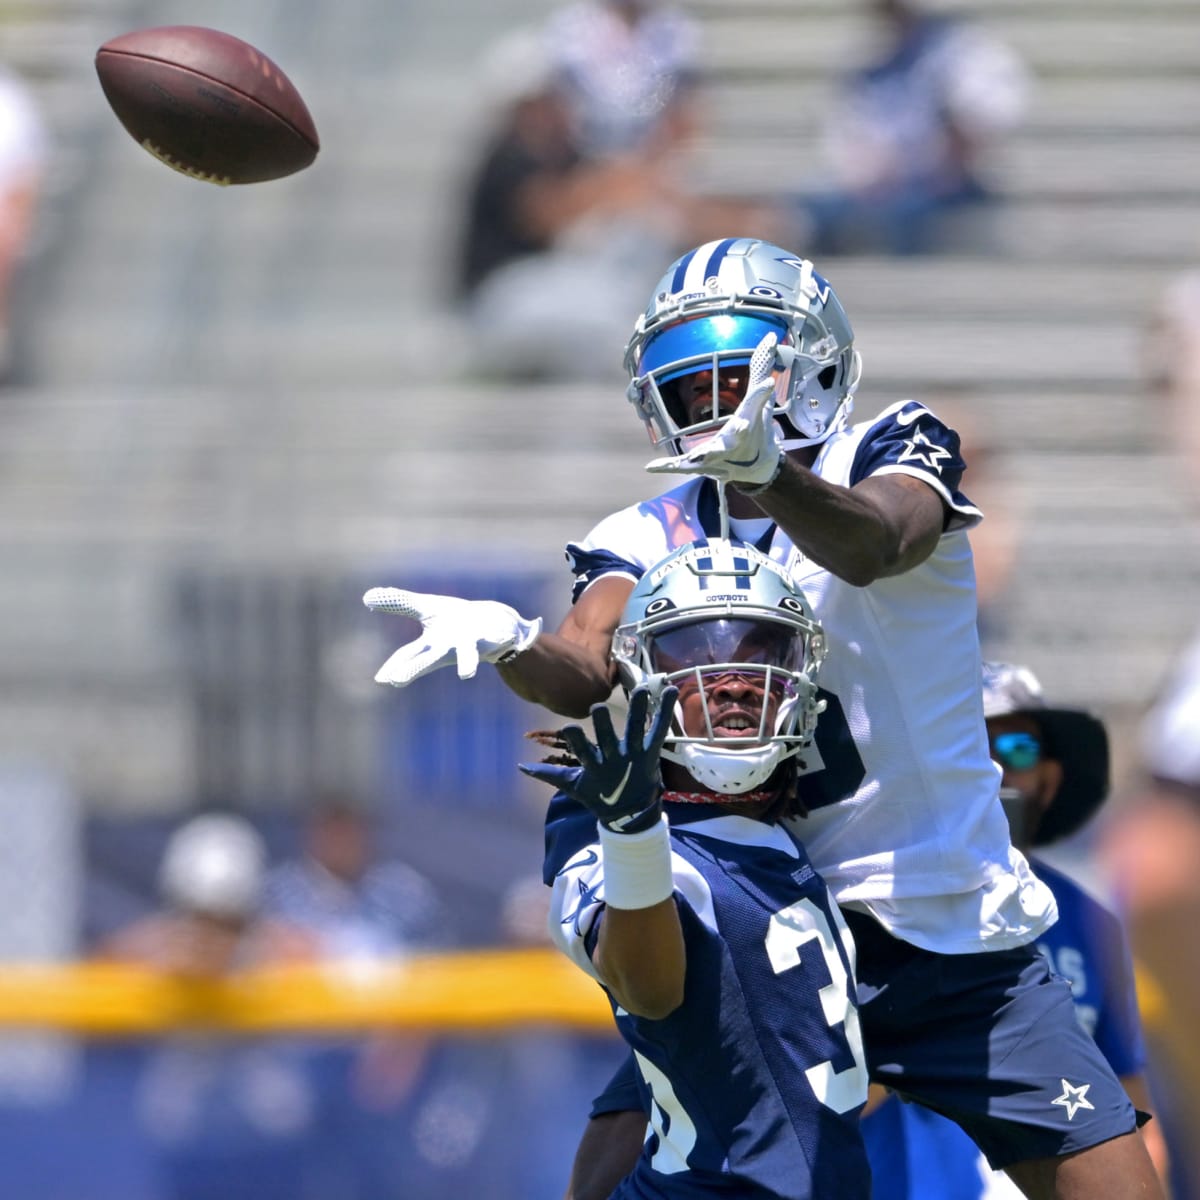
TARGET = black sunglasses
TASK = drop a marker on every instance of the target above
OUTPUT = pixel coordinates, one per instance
(1016, 751)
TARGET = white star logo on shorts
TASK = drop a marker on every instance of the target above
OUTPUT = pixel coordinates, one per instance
(1074, 1098)
(920, 449)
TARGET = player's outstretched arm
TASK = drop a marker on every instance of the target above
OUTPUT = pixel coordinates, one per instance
(571, 669)
(566, 672)
(639, 953)
(885, 525)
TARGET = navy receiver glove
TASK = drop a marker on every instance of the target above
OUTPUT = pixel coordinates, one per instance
(618, 778)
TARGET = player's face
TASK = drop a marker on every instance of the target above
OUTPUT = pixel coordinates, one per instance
(1016, 744)
(731, 703)
(693, 394)
(729, 698)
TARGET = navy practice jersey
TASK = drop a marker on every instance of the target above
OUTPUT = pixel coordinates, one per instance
(754, 1084)
(918, 1155)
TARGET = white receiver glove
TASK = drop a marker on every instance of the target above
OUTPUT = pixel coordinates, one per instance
(746, 449)
(464, 632)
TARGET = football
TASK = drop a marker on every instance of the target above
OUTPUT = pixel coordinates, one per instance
(207, 104)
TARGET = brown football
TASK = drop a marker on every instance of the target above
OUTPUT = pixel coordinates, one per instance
(207, 104)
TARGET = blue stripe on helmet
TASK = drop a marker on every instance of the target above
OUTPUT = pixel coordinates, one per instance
(680, 271)
(732, 336)
(717, 257)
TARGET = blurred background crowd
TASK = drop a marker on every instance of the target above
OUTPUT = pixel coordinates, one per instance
(226, 413)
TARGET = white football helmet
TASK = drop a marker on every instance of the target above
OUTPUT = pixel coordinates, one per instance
(715, 608)
(711, 309)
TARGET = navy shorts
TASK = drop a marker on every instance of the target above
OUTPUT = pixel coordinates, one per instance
(990, 1040)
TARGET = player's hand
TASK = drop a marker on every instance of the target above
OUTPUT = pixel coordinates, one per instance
(618, 778)
(746, 449)
(464, 632)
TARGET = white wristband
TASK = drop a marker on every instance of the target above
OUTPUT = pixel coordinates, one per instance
(637, 866)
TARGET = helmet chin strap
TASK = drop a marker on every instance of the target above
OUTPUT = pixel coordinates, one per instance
(723, 510)
(758, 796)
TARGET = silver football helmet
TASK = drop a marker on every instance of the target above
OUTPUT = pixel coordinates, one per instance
(709, 312)
(711, 610)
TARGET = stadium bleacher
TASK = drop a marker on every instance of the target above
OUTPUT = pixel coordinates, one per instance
(268, 378)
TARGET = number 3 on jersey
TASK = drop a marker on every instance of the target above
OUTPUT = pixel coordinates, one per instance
(791, 929)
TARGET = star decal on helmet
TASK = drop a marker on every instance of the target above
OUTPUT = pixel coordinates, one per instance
(1074, 1098)
(921, 450)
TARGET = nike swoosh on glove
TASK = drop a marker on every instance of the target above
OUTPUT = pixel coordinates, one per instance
(746, 449)
(465, 632)
(618, 779)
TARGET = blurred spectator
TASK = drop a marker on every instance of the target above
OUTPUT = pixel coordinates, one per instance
(910, 132)
(1173, 363)
(1150, 851)
(1055, 764)
(225, 1116)
(361, 910)
(556, 231)
(629, 72)
(211, 923)
(355, 906)
(23, 152)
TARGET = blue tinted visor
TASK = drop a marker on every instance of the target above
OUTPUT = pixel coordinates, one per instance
(733, 336)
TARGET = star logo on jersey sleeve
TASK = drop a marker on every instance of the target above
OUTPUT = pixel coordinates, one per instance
(920, 449)
(588, 898)
(1074, 1098)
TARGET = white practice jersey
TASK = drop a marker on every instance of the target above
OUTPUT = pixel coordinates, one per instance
(904, 813)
